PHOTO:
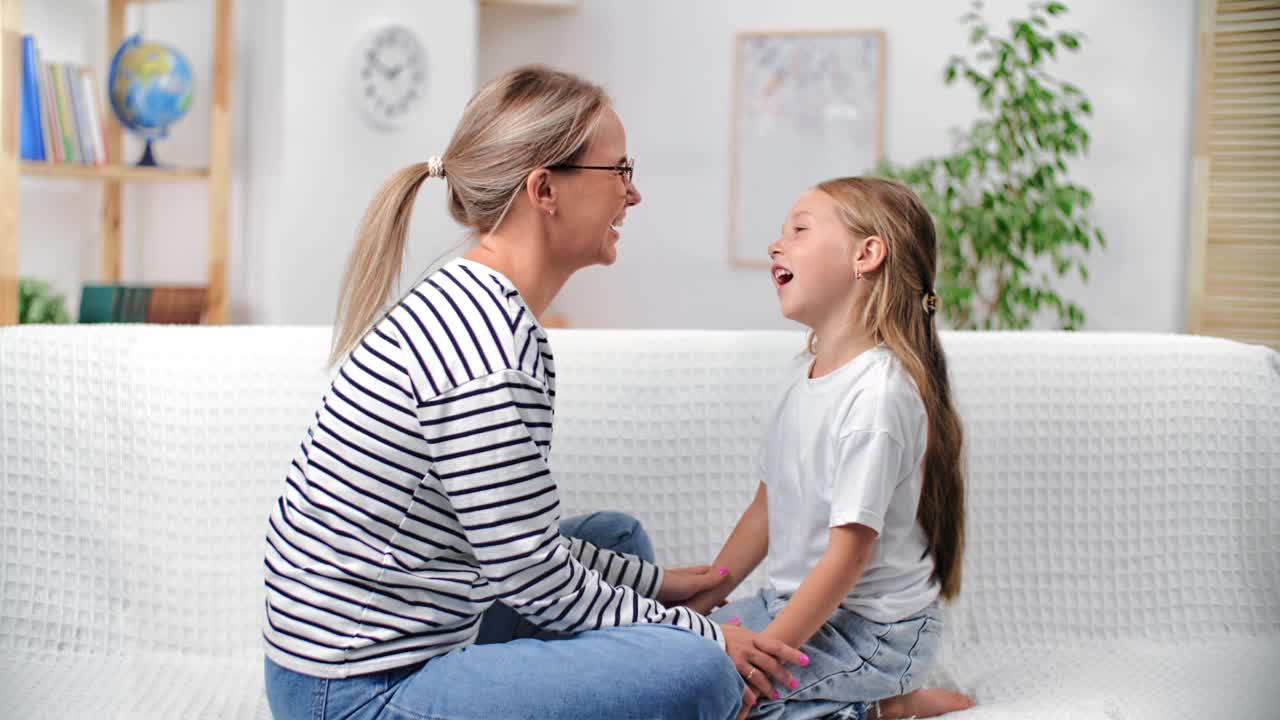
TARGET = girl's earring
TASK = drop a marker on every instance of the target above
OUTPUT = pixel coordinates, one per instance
(857, 274)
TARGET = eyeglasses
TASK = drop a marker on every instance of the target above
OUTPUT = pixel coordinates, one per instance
(625, 170)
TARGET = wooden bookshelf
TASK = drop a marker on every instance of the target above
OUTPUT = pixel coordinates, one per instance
(128, 173)
(112, 175)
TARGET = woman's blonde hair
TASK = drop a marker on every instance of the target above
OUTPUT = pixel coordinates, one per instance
(529, 118)
(899, 313)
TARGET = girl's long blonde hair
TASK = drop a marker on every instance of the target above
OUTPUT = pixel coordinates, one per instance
(528, 118)
(897, 315)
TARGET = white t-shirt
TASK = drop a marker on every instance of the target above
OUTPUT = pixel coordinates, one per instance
(847, 448)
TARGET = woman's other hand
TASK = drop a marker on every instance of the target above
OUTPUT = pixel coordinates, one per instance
(681, 584)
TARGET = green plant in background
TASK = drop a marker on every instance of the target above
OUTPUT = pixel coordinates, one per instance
(1006, 213)
(37, 303)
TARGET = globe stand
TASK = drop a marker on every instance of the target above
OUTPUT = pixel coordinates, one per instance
(148, 160)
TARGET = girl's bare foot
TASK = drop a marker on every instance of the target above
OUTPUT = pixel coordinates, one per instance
(925, 702)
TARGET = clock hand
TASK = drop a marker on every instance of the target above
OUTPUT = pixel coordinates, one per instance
(373, 60)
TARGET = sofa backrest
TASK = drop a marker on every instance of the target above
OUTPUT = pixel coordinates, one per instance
(1119, 485)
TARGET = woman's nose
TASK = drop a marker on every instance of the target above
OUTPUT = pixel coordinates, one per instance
(633, 195)
(774, 249)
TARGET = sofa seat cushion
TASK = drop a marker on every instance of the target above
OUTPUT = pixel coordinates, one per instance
(1117, 680)
(102, 687)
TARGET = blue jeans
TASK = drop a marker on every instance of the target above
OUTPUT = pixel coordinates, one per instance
(637, 671)
(852, 660)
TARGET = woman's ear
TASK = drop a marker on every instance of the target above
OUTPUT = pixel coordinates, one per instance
(540, 191)
(871, 254)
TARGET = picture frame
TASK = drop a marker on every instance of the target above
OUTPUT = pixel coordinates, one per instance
(808, 105)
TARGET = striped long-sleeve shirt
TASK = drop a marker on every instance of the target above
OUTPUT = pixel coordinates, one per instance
(422, 494)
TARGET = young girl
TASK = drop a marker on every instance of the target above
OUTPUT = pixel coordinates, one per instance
(861, 507)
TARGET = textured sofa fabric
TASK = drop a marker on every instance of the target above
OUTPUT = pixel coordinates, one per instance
(1124, 506)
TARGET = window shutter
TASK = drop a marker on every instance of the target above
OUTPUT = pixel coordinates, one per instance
(1234, 262)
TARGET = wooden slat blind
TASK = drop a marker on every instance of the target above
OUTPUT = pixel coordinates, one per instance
(1234, 267)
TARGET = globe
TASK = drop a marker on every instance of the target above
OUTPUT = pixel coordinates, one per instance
(149, 86)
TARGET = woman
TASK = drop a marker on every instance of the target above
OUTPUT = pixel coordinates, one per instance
(421, 499)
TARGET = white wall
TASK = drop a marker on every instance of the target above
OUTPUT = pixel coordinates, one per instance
(321, 163)
(667, 63)
(305, 163)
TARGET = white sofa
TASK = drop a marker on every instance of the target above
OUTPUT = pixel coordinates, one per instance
(1124, 507)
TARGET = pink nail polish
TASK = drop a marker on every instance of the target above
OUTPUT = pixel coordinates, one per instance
(724, 571)
(794, 684)
(734, 621)
(775, 695)
(804, 659)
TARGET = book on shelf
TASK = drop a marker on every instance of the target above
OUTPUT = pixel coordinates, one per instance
(61, 113)
(161, 304)
(30, 127)
(49, 119)
(97, 141)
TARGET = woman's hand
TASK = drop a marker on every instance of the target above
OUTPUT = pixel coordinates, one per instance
(760, 661)
(705, 601)
(680, 584)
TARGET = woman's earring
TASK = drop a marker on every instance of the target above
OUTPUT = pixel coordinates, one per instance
(857, 274)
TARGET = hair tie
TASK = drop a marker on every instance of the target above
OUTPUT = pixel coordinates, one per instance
(435, 166)
(930, 303)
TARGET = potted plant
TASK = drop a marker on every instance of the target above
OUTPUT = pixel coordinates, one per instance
(37, 303)
(1009, 218)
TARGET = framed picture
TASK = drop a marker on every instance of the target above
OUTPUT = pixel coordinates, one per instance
(808, 106)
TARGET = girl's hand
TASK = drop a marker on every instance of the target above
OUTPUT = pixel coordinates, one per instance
(680, 584)
(748, 701)
(760, 660)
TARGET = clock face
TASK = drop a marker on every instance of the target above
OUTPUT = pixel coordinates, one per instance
(391, 75)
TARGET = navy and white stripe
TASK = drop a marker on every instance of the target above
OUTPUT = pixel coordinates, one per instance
(422, 494)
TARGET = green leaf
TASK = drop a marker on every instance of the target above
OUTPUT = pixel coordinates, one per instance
(1023, 31)
(1071, 41)
(1002, 200)
(1055, 8)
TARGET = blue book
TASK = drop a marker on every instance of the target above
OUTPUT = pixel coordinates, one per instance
(30, 129)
